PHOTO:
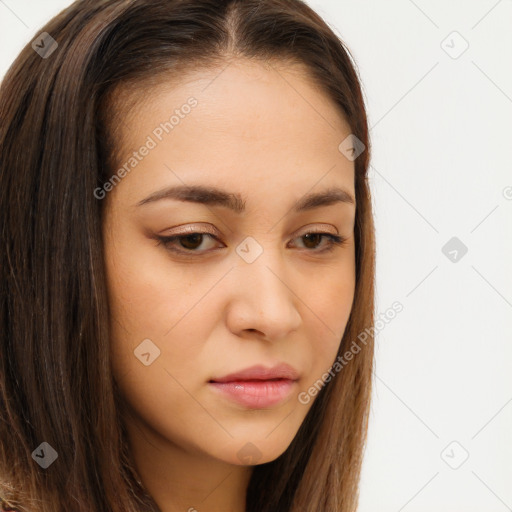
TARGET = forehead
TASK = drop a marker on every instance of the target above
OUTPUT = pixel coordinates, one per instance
(261, 126)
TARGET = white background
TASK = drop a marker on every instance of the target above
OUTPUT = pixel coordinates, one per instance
(441, 168)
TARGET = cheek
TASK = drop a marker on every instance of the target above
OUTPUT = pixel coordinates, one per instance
(152, 299)
(147, 304)
(329, 304)
(144, 290)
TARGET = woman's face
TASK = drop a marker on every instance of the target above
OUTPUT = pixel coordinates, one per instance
(253, 289)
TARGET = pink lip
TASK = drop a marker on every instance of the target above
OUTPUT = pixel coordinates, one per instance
(259, 372)
(256, 394)
(258, 387)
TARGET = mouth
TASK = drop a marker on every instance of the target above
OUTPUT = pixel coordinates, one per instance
(257, 387)
(256, 393)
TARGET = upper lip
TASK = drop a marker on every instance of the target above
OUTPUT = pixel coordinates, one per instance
(260, 372)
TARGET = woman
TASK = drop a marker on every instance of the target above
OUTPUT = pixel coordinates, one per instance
(187, 261)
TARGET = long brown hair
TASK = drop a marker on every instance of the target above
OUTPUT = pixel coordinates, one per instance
(56, 384)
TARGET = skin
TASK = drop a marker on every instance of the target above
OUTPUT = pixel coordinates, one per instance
(267, 133)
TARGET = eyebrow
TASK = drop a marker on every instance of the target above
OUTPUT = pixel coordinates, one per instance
(213, 196)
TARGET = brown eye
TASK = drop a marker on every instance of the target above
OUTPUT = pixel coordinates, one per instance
(186, 244)
(312, 240)
(191, 242)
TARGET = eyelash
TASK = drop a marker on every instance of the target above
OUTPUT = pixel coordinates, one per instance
(334, 240)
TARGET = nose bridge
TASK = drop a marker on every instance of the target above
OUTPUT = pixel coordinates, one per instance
(262, 297)
(261, 278)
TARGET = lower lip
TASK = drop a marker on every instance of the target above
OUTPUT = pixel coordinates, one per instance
(256, 394)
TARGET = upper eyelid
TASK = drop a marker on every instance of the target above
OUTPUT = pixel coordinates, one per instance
(190, 230)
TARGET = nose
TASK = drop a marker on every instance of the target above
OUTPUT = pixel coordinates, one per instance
(262, 299)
